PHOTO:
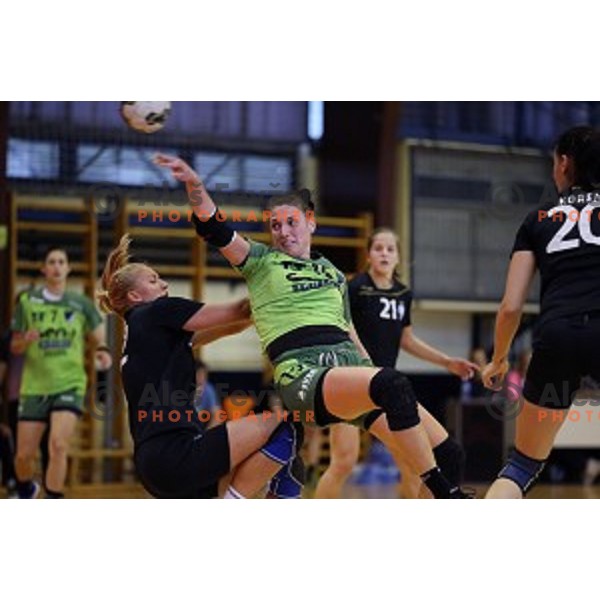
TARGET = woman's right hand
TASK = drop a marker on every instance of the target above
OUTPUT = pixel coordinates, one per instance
(30, 336)
(179, 168)
(202, 204)
(20, 341)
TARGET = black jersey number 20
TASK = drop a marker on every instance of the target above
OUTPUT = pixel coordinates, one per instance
(391, 309)
(584, 220)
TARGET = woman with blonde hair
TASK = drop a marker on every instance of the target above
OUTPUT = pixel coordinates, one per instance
(176, 456)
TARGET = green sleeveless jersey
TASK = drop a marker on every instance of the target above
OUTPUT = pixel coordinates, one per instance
(287, 293)
(55, 362)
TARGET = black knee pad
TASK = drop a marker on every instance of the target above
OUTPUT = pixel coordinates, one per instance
(450, 458)
(522, 470)
(392, 392)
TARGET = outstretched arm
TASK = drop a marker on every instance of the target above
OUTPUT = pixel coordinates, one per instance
(417, 347)
(218, 315)
(518, 282)
(206, 336)
(202, 204)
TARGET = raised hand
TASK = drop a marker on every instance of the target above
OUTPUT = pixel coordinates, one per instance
(179, 168)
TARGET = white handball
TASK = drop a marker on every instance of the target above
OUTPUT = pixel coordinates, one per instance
(145, 117)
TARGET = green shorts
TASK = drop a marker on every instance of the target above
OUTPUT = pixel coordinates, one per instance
(298, 373)
(38, 408)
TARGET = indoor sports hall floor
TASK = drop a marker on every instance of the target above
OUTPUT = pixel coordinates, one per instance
(133, 491)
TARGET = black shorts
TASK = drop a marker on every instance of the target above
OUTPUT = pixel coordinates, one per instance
(565, 350)
(183, 465)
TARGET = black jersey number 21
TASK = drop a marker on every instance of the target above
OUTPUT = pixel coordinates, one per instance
(584, 220)
(391, 309)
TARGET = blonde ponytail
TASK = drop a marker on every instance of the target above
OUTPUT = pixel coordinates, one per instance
(118, 279)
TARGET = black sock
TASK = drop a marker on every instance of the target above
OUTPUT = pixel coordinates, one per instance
(51, 495)
(437, 484)
(25, 488)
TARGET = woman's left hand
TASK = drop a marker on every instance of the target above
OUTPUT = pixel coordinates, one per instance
(493, 374)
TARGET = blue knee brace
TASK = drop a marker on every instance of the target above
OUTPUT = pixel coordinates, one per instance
(522, 470)
(283, 444)
(283, 447)
(287, 484)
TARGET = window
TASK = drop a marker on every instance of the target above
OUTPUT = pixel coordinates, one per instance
(248, 173)
(219, 171)
(268, 175)
(125, 166)
(32, 160)
(316, 120)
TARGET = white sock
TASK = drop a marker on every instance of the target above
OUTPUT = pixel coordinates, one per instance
(232, 494)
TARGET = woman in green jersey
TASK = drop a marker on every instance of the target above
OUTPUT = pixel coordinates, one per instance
(50, 328)
(300, 309)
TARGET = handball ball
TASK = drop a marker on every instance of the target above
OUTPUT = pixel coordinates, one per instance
(145, 117)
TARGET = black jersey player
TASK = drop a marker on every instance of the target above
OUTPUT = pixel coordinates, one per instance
(381, 313)
(562, 241)
(176, 456)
